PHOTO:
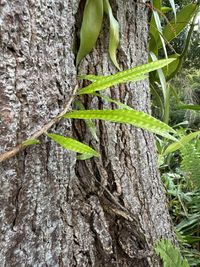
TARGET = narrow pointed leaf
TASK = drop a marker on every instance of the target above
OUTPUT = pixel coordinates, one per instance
(110, 100)
(133, 74)
(153, 47)
(30, 142)
(102, 84)
(90, 28)
(73, 145)
(176, 96)
(173, 7)
(90, 125)
(183, 141)
(158, 100)
(165, 90)
(191, 107)
(173, 28)
(160, 31)
(171, 70)
(133, 117)
(90, 77)
(114, 33)
(156, 4)
(161, 76)
(153, 31)
(165, 9)
(84, 156)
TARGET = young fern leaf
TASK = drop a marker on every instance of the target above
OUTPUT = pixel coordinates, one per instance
(190, 163)
(133, 117)
(169, 254)
(133, 74)
(73, 145)
(114, 33)
(90, 28)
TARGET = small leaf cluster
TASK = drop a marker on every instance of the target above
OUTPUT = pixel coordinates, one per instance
(162, 32)
(126, 115)
(180, 175)
(91, 26)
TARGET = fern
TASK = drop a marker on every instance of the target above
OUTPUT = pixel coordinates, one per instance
(169, 254)
(191, 162)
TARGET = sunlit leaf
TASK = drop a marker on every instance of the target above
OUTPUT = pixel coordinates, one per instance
(175, 94)
(181, 142)
(90, 77)
(73, 145)
(156, 4)
(153, 44)
(159, 29)
(165, 91)
(114, 33)
(110, 100)
(84, 156)
(191, 107)
(161, 76)
(173, 7)
(133, 117)
(30, 142)
(153, 31)
(165, 9)
(133, 74)
(90, 28)
(90, 125)
(172, 69)
(158, 100)
(173, 28)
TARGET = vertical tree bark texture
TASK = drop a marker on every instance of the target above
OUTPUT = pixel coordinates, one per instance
(54, 210)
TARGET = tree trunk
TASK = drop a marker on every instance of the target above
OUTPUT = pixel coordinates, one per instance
(54, 210)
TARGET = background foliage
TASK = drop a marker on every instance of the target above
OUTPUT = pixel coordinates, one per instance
(180, 164)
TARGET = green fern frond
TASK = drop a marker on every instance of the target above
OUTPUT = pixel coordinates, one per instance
(191, 163)
(169, 254)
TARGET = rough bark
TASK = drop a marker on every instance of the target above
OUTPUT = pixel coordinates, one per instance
(54, 210)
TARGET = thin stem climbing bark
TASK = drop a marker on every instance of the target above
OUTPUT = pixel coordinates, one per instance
(14, 151)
